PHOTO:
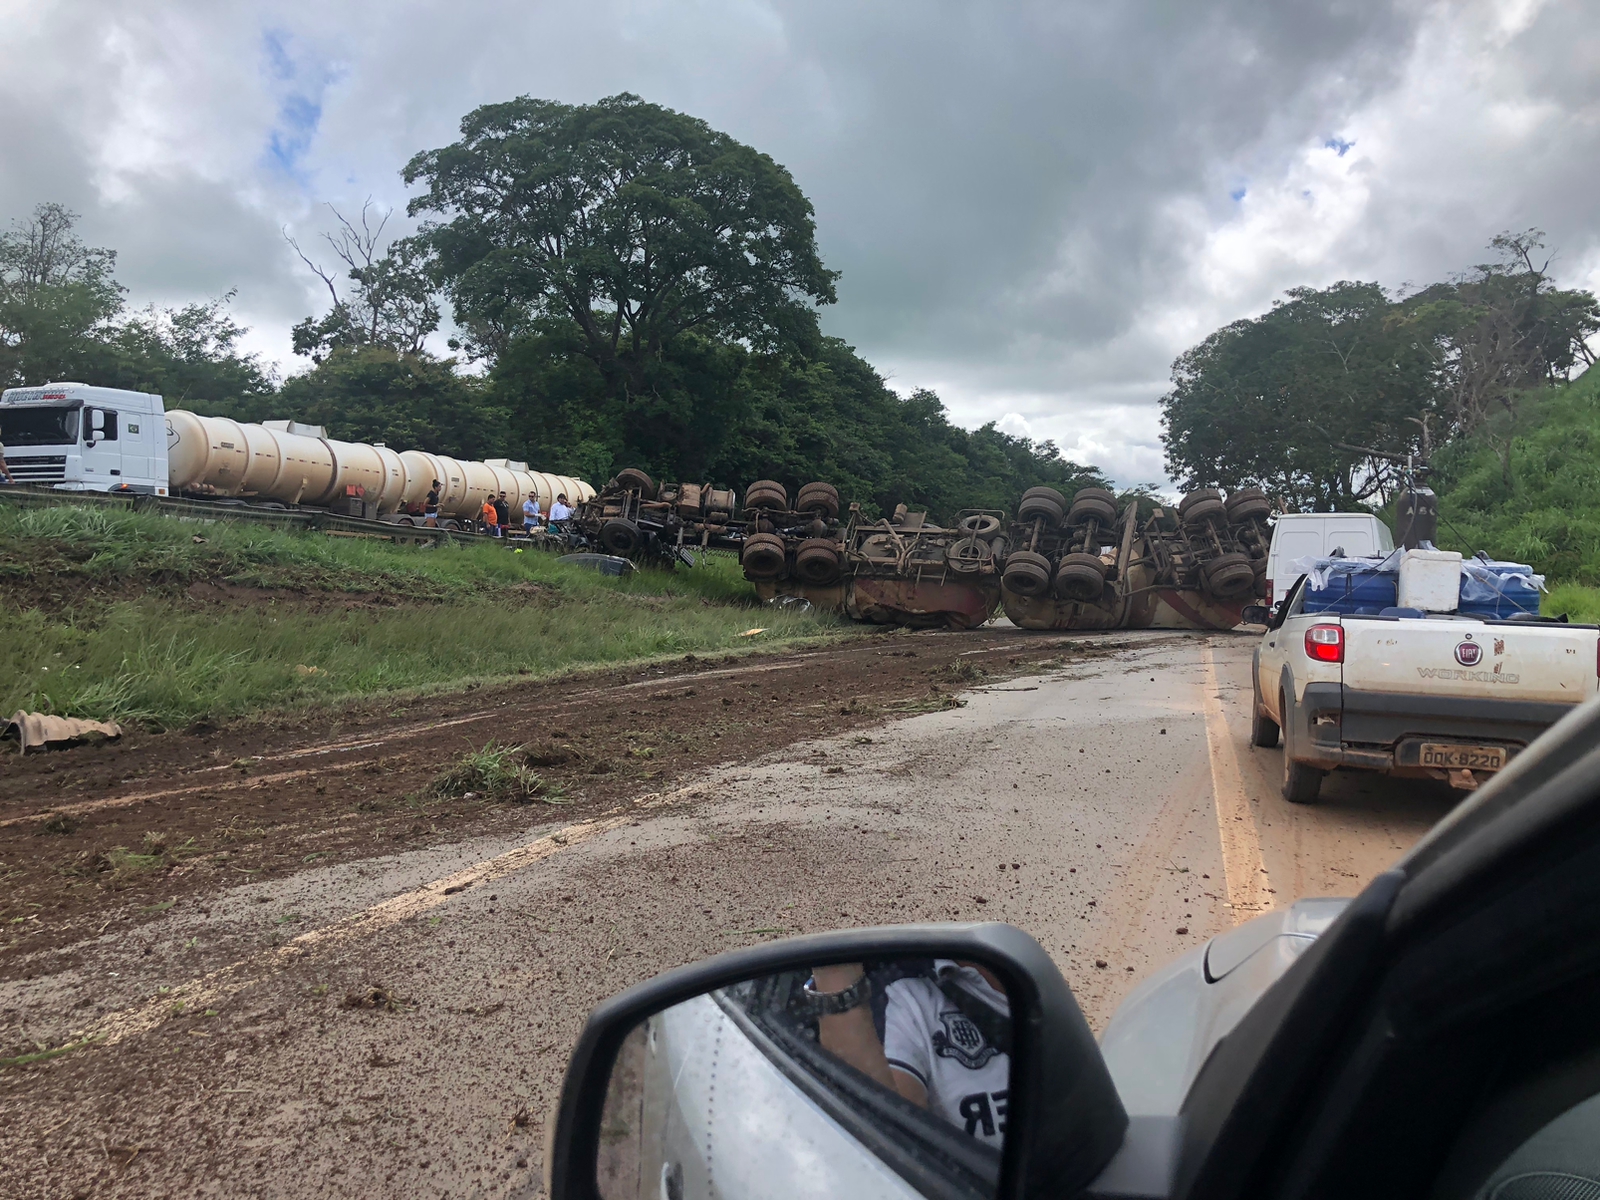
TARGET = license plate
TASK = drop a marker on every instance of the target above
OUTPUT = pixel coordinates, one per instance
(1472, 758)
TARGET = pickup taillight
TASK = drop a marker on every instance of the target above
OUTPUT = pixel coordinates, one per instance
(1325, 643)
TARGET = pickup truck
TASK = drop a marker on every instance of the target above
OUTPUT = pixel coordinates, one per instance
(1441, 696)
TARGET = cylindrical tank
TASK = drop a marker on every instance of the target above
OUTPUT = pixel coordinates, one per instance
(222, 457)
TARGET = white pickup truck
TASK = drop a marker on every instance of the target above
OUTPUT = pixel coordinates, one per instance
(1443, 696)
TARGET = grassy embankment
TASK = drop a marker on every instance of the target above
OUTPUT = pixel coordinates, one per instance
(97, 618)
(1550, 514)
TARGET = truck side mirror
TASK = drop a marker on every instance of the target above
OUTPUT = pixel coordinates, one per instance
(97, 425)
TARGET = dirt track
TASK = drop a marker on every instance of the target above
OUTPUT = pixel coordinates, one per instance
(1098, 792)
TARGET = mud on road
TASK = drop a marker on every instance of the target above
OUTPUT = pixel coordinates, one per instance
(391, 1018)
(108, 837)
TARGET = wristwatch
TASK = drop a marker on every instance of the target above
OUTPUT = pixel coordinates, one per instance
(831, 1004)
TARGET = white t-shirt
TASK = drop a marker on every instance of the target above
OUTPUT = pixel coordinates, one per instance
(929, 1038)
(559, 511)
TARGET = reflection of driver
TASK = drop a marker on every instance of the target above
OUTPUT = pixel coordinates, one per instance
(945, 1044)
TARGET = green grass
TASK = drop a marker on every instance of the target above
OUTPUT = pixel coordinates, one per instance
(1580, 603)
(495, 772)
(1550, 514)
(104, 546)
(471, 613)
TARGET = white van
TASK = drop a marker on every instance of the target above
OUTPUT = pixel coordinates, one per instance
(1299, 535)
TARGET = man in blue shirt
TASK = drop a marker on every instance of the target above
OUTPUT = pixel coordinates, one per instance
(530, 512)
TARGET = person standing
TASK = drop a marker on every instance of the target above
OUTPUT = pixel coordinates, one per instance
(5, 470)
(530, 512)
(559, 512)
(490, 518)
(502, 513)
(430, 506)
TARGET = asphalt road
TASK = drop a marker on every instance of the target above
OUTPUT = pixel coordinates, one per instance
(406, 1038)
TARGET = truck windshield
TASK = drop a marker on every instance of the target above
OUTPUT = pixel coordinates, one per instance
(43, 425)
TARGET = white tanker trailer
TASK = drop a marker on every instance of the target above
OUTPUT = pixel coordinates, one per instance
(78, 438)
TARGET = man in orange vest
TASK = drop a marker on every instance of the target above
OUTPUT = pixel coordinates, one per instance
(491, 521)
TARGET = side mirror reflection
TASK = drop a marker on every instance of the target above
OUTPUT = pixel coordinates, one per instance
(886, 1078)
(1255, 614)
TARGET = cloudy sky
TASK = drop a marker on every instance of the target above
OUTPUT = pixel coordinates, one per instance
(1035, 206)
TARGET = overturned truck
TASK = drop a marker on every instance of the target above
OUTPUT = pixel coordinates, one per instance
(1087, 565)
(901, 570)
(634, 517)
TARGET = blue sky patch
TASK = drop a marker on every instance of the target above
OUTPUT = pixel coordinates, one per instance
(300, 86)
(1338, 144)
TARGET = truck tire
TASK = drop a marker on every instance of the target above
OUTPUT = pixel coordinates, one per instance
(1204, 512)
(985, 525)
(621, 537)
(1042, 503)
(762, 556)
(969, 556)
(1229, 575)
(764, 493)
(1248, 504)
(1198, 496)
(1080, 577)
(1301, 782)
(820, 498)
(1263, 729)
(816, 562)
(1027, 573)
(631, 479)
(1085, 508)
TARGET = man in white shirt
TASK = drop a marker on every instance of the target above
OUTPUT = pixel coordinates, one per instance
(5, 470)
(946, 1042)
(559, 511)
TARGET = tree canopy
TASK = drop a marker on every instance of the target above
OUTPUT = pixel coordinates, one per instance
(636, 223)
(1318, 398)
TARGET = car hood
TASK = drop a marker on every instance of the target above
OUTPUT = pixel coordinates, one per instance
(1162, 1033)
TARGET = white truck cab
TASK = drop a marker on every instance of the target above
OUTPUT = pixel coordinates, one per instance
(79, 438)
(1318, 535)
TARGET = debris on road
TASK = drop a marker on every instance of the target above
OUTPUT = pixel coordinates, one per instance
(379, 999)
(40, 729)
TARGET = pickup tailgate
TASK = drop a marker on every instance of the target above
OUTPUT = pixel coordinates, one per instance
(1546, 663)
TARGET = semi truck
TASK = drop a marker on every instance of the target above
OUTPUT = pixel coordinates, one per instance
(74, 437)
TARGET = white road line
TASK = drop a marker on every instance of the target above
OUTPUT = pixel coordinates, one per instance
(1242, 862)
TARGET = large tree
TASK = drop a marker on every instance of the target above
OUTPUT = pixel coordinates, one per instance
(383, 296)
(636, 223)
(1278, 400)
(1495, 334)
(58, 298)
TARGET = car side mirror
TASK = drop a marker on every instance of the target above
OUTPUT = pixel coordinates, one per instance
(1255, 614)
(934, 1060)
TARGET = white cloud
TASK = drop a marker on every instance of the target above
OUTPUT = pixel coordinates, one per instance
(1032, 201)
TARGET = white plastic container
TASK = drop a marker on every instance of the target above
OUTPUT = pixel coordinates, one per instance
(1430, 580)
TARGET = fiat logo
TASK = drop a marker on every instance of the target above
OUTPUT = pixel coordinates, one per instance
(1469, 653)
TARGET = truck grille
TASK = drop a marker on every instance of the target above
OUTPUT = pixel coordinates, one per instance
(38, 468)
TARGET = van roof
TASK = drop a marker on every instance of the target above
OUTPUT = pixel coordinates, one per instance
(1321, 516)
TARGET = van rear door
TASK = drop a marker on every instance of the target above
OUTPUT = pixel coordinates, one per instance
(1543, 663)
